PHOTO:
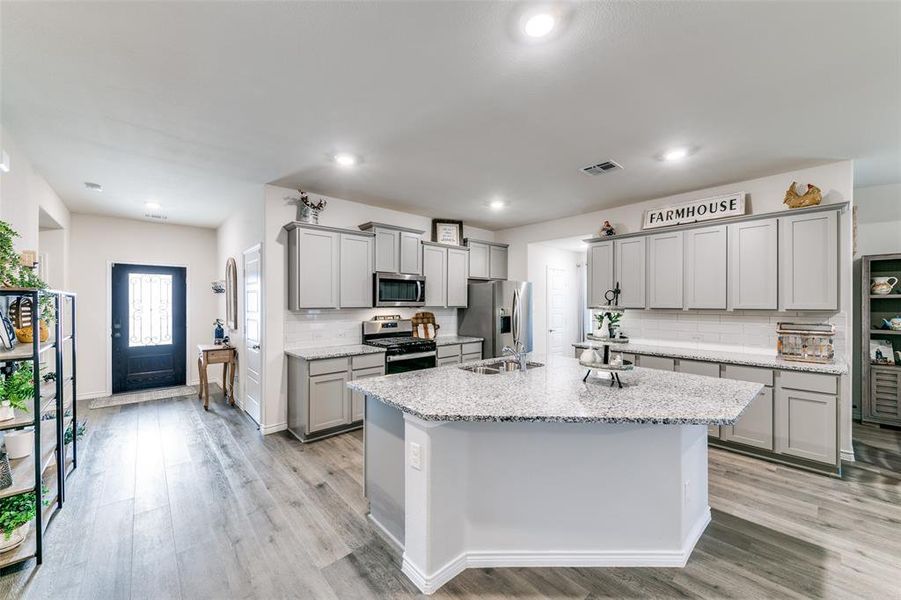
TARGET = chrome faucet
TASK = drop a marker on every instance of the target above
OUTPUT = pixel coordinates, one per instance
(519, 354)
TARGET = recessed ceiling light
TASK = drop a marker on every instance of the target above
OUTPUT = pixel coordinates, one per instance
(345, 160)
(152, 205)
(94, 187)
(497, 205)
(675, 154)
(539, 25)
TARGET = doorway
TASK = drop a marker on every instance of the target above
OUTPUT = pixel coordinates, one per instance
(148, 327)
(560, 313)
(253, 329)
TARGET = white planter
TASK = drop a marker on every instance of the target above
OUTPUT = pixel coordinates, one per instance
(19, 443)
(17, 537)
(7, 412)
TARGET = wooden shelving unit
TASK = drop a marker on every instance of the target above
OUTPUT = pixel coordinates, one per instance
(48, 465)
(880, 388)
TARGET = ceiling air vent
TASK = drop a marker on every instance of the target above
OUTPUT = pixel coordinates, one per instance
(158, 217)
(601, 168)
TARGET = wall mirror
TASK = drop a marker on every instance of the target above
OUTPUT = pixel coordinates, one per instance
(231, 294)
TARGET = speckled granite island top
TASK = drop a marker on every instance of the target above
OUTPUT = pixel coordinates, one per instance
(449, 340)
(556, 393)
(320, 352)
(733, 358)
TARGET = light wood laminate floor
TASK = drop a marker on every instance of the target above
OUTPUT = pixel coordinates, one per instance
(173, 502)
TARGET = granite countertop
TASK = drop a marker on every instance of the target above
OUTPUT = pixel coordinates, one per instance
(556, 393)
(320, 352)
(448, 340)
(732, 358)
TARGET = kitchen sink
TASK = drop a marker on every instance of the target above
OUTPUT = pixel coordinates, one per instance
(500, 366)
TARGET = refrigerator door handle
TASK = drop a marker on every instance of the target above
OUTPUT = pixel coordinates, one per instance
(515, 318)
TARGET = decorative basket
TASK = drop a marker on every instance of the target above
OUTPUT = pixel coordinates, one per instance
(25, 335)
(805, 343)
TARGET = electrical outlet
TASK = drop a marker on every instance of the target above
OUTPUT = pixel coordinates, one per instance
(416, 456)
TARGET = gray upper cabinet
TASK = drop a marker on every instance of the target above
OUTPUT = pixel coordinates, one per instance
(313, 283)
(665, 270)
(356, 271)
(705, 267)
(434, 267)
(457, 276)
(753, 265)
(497, 262)
(808, 261)
(629, 271)
(446, 270)
(328, 267)
(478, 261)
(396, 248)
(410, 254)
(600, 272)
(487, 260)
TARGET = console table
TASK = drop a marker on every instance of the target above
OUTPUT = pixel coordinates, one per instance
(211, 354)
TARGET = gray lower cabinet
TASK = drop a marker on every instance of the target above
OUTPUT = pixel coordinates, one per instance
(319, 401)
(697, 367)
(452, 354)
(884, 402)
(808, 261)
(806, 424)
(629, 271)
(600, 272)
(665, 270)
(660, 363)
(755, 427)
(328, 401)
(705, 267)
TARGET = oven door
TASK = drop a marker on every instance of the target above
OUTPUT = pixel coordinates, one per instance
(392, 289)
(402, 363)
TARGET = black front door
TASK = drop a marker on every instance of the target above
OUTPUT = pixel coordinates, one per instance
(148, 336)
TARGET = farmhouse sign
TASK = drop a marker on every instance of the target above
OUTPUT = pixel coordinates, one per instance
(731, 205)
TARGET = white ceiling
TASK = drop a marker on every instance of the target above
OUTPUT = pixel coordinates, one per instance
(194, 105)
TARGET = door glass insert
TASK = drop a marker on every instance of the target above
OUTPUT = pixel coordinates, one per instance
(149, 309)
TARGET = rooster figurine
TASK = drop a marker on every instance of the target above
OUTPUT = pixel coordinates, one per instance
(811, 196)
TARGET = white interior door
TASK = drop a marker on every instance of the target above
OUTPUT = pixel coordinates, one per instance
(253, 331)
(558, 309)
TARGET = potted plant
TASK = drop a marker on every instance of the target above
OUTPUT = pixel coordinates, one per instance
(16, 514)
(16, 390)
(14, 274)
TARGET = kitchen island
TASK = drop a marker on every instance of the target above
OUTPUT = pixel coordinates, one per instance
(538, 468)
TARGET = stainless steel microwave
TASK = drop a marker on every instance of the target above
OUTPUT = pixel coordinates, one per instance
(398, 289)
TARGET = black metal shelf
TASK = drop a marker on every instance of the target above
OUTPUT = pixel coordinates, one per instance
(48, 465)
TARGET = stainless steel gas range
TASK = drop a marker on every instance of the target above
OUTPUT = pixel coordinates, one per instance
(403, 352)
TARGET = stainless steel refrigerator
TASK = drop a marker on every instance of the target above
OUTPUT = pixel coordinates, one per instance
(500, 312)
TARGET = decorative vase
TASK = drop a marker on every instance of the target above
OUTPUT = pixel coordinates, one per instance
(308, 215)
(7, 412)
(19, 443)
(6, 474)
(17, 536)
(218, 334)
(882, 285)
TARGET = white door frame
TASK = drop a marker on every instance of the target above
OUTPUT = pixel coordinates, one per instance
(258, 247)
(109, 318)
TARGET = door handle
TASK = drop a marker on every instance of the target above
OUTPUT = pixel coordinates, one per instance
(255, 347)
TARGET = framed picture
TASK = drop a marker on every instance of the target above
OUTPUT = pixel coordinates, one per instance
(447, 231)
(881, 353)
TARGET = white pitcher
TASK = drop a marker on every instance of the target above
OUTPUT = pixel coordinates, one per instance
(882, 285)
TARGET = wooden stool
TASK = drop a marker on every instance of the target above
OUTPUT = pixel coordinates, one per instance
(210, 354)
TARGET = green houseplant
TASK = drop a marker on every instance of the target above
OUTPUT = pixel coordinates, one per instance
(14, 274)
(16, 514)
(16, 389)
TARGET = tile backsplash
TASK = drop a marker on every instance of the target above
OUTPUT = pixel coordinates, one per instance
(738, 331)
(307, 328)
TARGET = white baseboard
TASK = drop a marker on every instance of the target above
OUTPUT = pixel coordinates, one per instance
(92, 395)
(848, 456)
(267, 429)
(429, 584)
(386, 535)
